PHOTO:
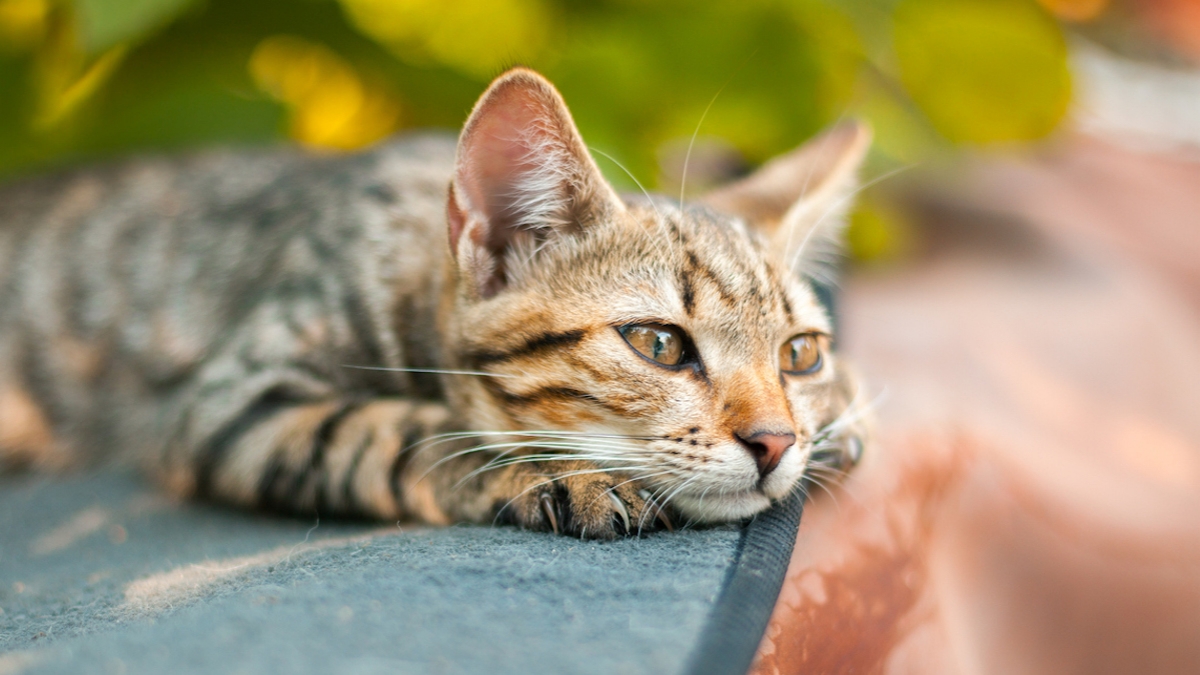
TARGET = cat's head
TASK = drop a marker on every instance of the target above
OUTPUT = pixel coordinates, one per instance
(683, 346)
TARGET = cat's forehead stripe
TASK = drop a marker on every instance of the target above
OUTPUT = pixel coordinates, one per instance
(694, 269)
(687, 292)
(531, 346)
(719, 253)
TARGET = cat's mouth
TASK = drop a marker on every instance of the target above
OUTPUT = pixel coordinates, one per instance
(741, 497)
(710, 508)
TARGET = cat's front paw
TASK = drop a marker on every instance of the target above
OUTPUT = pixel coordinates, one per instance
(580, 499)
(840, 453)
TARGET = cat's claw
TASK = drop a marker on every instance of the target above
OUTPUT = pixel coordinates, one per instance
(660, 514)
(549, 509)
(621, 511)
(664, 519)
(586, 502)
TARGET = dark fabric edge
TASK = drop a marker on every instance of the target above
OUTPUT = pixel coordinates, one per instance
(739, 618)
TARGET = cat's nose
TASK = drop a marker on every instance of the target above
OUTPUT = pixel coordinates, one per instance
(767, 448)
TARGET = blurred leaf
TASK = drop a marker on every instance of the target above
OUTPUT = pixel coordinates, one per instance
(641, 76)
(183, 112)
(22, 23)
(475, 36)
(13, 146)
(985, 70)
(837, 50)
(878, 233)
(763, 74)
(1075, 10)
(104, 23)
(331, 105)
(64, 100)
(903, 135)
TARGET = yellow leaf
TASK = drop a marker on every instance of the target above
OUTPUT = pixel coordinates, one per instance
(330, 105)
(22, 23)
(477, 37)
(877, 233)
(57, 104)
(983, 71)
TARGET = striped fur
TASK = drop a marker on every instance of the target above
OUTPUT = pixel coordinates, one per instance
(427, 330)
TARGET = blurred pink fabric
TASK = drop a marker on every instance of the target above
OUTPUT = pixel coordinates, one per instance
(1032, 501)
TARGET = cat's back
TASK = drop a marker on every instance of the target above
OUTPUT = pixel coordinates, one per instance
(225, 185)
(223, 214)
(118, 281)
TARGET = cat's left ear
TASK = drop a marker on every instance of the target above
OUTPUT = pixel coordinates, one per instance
(522, 178)
(800, 199)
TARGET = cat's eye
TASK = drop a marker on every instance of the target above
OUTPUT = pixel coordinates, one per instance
(801, 355)
(661, 344)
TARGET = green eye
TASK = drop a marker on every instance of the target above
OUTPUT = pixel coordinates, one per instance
(801, 355)
(661, 344)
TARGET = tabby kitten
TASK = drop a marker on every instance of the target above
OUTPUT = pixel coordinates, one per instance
(483, 334)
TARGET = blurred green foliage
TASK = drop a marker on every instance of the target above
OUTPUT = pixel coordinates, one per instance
(107, 23)
(84, 78)
(1017, 84)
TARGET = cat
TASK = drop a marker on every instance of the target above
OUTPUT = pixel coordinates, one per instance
(473, 332)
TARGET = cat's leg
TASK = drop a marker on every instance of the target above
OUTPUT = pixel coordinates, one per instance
(393, 459)
(339, 457)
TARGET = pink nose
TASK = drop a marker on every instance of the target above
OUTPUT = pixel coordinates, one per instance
(767, 448)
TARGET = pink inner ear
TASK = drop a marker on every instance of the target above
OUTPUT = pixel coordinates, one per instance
(522, 173)
(508, 149)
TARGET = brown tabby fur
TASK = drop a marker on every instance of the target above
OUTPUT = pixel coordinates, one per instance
(261, 329)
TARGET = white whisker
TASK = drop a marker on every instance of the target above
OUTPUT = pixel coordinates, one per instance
(675, 493)
(688, 155)
(545, 433)
(439, 371)
(439, 439)
(631, 177)
(808, 176)
(652, 502)
(815, 480)
(556, 477)
(836, 206)
(687, 158)
(505, 459)
(854, 412)
(579, 451)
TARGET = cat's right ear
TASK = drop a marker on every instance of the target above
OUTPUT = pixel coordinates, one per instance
(799, 200)
(522, 177)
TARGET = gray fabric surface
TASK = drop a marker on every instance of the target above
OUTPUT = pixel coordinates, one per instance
(100, 573)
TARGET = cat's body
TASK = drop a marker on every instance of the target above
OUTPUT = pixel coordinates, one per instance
(263, 329)
(138, 296)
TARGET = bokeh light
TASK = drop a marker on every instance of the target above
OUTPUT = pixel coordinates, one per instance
(329, 104)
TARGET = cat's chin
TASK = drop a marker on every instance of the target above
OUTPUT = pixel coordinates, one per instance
(721, 508)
